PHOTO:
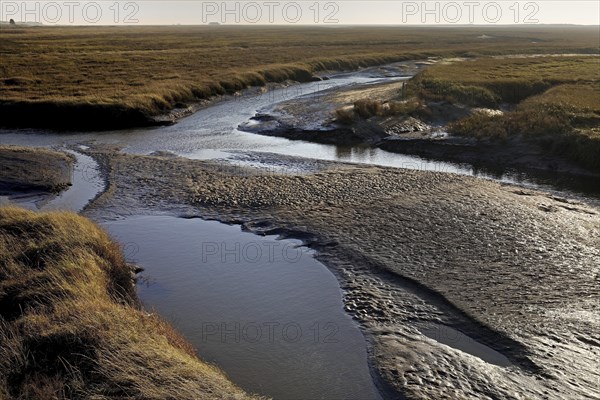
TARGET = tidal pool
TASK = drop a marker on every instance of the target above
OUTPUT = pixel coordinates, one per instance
(264, 310)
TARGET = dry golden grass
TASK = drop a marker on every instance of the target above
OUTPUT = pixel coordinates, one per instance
(557, 129)
(70, 325)
(489, 81)
(558, 101)
(577, 98)
(367, 108)
(101, 74)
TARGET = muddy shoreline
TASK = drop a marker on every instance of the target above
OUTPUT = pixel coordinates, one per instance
(427, 249)
(34, 170)
(516, 154)
(413, 136)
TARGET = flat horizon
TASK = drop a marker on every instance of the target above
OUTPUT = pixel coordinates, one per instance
(291, 13)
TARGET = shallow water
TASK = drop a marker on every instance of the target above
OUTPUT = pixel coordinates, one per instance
(458, 340)
(87, 183)
(264, 310)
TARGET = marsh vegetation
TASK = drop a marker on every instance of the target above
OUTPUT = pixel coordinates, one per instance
(71, 325)
(552, 101)
(74, 77)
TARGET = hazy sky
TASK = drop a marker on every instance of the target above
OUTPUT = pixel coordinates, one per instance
(150, 12)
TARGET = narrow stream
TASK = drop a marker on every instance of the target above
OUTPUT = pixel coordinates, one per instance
(87, 183)
(458, 340)
(264, 310)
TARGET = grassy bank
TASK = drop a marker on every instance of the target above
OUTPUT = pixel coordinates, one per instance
(33, 169)
(104, 77)
(555, 101)
(492, 81)
(548, 101)
(71, 326)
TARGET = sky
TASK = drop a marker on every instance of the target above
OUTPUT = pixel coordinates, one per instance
(312, 12)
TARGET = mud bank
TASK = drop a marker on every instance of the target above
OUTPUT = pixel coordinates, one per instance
(420, 132)
(514, 153)
(28, 169)
(515, 271)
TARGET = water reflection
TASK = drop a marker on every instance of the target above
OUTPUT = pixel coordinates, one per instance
(262, 309)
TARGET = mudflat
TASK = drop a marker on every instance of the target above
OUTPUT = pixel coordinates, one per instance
(515, 271)
(29, 169)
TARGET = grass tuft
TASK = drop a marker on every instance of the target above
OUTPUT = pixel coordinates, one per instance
(71, 325)
(367, 108)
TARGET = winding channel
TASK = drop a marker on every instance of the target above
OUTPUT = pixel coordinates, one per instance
(265, 310)
(212, 134)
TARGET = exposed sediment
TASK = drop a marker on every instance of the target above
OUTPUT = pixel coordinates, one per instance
(515, 270)
(28, 169)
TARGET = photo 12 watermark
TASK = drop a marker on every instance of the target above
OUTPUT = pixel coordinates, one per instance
(71, 12)
(270, 332)
(251, 252)
(310, 12)
(469, 12)
(270, 12)
(146, 12)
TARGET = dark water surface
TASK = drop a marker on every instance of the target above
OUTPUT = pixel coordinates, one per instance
(264, 310)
